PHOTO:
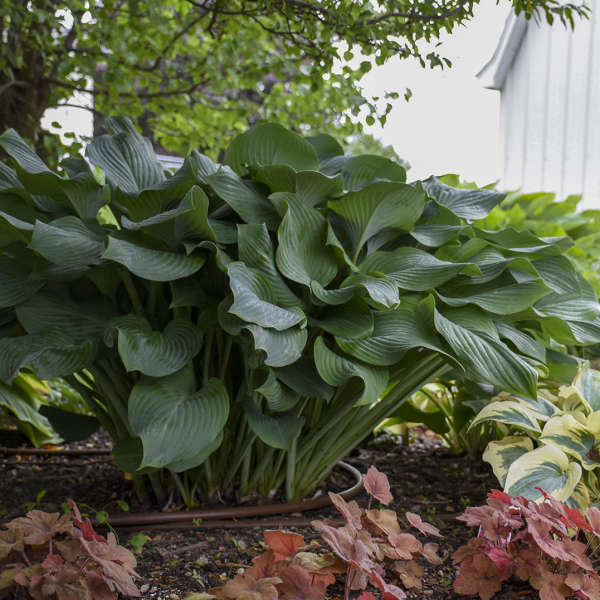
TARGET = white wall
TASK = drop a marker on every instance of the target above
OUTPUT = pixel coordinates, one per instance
(550, 115)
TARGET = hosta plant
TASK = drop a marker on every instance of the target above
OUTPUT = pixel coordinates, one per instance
(238, 328)
(548, 544)
(47, 556)
(371, 549)
(552, 442)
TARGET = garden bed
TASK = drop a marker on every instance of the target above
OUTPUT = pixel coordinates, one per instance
(425, 478)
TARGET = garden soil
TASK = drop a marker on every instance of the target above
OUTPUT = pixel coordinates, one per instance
(425, 478)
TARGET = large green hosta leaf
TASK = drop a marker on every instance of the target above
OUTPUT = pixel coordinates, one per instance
(376, 207)
(255, 301)
(281, 348)
(176, 422)
(412, 269)
(154, 353)
(16, 286)
(337, 370)
(270, 144)
(395, 332)
(302, 255)
(126, 157)
(278, 431)
(49, 354)
(485, 359)
(154, 265)
(67, 242)
(464, 203)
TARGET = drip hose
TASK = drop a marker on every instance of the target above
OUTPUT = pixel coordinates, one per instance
(218, 516)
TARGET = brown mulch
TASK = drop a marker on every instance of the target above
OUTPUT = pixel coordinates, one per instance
(425, 478)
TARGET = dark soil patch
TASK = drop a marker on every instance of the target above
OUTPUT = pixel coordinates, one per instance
(425, 478)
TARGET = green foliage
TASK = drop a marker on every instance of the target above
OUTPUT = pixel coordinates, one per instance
(241, 327)
(448, 407)
(47, 555)
(194, 73)
(551, 443)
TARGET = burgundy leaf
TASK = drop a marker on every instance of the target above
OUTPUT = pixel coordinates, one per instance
(52, 562)
(377, 485)
(503, 562)
(425, 528)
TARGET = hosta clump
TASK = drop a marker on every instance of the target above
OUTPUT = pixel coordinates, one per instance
(46, 556)
(553, 442)
(240, 327)
(548, 544)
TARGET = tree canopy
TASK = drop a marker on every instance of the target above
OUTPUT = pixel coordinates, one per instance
(196, 71)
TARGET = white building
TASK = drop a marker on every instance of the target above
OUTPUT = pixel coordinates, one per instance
(549, 81)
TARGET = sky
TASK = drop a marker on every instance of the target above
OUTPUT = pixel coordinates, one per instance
(451, 123)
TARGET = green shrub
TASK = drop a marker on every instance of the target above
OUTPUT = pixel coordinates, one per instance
(242, 327)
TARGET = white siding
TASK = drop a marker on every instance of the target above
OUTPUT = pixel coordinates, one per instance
(550, 113)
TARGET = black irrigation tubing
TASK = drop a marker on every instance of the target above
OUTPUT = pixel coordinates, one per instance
(57, 452)
(237, 516)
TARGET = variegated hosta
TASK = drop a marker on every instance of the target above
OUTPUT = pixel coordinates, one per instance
(553, 441)
(261, 317)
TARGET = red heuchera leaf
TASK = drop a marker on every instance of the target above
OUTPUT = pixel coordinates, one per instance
(503, 562)
(503, 497)
(283, 543)
(478, 575)
(350, 510)
(367, 596)
(67, 583)
(470, 548)
(426, 528)
(38, 527)
(299, 584)
(52, 562)
(263, 565)
(377, 485)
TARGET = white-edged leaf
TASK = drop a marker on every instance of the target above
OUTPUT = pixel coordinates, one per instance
(501, 454)
(547, 468)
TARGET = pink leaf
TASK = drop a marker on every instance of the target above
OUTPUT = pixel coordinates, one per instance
(377, 485)
(350, 510)
(367, 596)
(426, 528)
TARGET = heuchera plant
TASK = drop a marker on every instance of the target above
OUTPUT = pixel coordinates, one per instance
(373, 546)
(286, 570)
(550, 545)
(45, 556)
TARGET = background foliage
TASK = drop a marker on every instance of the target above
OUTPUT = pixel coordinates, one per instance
(194, 72)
